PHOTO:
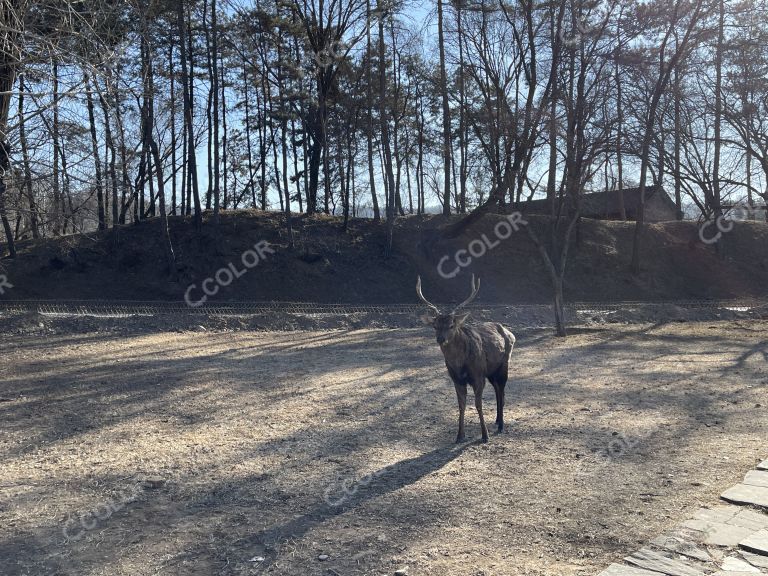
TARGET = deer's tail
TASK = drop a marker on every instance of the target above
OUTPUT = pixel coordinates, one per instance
(509, 340)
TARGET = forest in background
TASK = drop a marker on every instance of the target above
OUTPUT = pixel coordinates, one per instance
(113, 112)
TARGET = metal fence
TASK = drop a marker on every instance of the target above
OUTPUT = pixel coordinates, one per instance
(152, 308)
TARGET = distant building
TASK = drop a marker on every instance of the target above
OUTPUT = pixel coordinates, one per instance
(659, 207)
(743, 211)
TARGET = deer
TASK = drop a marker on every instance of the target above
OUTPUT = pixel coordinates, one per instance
(473, 352)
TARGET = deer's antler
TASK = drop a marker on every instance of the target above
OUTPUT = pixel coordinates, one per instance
(475, 290)
(421, 296)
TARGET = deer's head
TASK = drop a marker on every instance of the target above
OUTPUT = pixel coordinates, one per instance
(446, 326)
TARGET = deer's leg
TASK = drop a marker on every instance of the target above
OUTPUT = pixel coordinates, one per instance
(500, 409)
(461, 395)
(478, 386)
(499, 390)
(499, 383)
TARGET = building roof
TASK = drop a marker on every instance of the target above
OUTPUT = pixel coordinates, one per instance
(600, 204)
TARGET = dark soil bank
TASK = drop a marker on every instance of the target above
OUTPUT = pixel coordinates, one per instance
(328, 264)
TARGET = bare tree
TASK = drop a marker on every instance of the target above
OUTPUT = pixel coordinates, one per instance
(675, 13)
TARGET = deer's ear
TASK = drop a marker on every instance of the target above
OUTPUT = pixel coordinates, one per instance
(427, 319)
(460, 319)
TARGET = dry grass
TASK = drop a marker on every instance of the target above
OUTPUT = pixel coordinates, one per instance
(287, 446)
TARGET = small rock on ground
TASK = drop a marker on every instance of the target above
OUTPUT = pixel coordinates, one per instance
(152, 482)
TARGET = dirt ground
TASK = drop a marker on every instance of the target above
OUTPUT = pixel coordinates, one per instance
(331, 452)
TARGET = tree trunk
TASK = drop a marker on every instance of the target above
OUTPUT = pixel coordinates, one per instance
(295, 155)
(676, 144)
(420, 159)
(263, 146)
(7, 74)
(148, 122)
(369, 104)
(446, 114)
(384, 125)
(408, 169)
(286, 190)
(33, 222)
(463, 145)
(186, 79)
(620, 129)
(246, 102)
(125, 185)
(174, 169)
(111, 168)
(215, 89)
(717, 208)
(396, 87)
(58, 199)
(4, 163)
(224, 144)
(95, 151)
(315, 155)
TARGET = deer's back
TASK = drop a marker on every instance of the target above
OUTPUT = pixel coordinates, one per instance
(493, 345)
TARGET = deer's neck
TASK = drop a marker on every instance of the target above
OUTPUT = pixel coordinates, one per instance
(456, 350)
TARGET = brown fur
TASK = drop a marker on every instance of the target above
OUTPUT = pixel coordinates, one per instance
(472, 354)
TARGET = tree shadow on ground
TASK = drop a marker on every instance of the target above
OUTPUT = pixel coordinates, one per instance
(67, 401)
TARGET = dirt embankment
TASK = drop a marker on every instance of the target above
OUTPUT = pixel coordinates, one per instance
(327, 264)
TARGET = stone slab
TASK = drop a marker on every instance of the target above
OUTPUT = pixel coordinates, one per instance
(746, 494)
(757, 543)
(723, 528)
(750, 519)
(720, 513)
(755, 559)
(656, 562)
(719, 533)
(756, 478)
(622, 570)
(733, 515)
(733, 564)
(680, 545)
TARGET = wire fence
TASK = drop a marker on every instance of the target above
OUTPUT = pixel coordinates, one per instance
(111, 308)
